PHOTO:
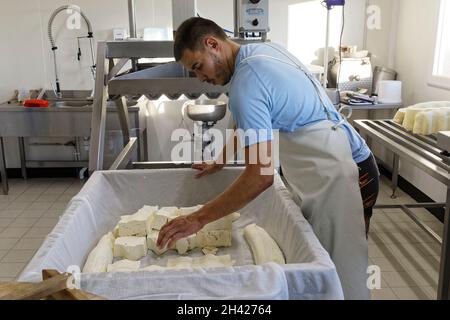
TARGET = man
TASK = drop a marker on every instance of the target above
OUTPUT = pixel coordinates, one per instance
(319, 150)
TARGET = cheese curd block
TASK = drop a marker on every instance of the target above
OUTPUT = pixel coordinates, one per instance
(210, 250)
(426, 122)
(225, 223)
(182, 246)
(132, 248)
(424, 118)
(443, 120)
(186, 244)
(164, 215)
(214, 238)
(264, 247)
(410, 117)
(192, 240)
(400, 116)
(136, 224)
(101, 256)
(116, 231)
(124, 265)
(152, 238)
(208, 261)
(235, 216)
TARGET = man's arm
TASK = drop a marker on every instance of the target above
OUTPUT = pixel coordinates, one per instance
(256, 178)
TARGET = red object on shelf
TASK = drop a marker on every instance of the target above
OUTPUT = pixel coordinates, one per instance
(36, 103)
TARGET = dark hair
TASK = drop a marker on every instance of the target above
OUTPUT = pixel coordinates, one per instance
(191, 33)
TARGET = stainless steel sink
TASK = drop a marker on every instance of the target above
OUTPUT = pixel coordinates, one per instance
(76, 99)
(69, 99)
(70, 104)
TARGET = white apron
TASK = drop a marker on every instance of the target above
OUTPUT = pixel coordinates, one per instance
(318, 165)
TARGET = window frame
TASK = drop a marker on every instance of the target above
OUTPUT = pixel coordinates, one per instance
(435, 80)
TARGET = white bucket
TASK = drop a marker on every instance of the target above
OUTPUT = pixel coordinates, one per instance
(390, 91)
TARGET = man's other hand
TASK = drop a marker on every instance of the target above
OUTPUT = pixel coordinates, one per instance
(207, 169)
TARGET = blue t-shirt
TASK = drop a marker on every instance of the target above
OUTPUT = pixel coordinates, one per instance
(267, 93)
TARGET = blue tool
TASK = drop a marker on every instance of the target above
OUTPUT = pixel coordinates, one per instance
(334, 3)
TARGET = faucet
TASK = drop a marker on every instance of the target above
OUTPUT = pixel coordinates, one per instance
(90, 36)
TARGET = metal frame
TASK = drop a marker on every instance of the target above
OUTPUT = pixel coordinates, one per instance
(424, 153)
(123, 160)
(3, 174)
(170, 79)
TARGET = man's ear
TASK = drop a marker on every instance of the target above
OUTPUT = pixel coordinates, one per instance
(211, 43)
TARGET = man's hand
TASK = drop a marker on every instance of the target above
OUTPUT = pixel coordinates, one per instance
(206, 169)
(177, 229)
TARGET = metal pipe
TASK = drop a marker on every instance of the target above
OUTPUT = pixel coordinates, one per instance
(132, 22)
(52, 40)
(55, 13)
(3, 173)
(58, 88)
(325, 53)
(236, 23)
(123, 160)
(132, 18)
(444, 272)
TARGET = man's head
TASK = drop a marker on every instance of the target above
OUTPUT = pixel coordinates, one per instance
(203, 47)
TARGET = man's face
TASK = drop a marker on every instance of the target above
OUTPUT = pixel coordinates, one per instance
(208, 65)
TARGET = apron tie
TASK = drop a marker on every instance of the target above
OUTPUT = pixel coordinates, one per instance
(344, 117)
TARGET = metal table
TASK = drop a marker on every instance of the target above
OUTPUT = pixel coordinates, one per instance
(424, 153)
(372, 108)
(20, 122)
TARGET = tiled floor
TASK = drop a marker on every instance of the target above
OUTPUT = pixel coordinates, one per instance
(27, 215)
(407, 256)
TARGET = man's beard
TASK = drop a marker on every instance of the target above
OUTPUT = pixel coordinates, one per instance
(221, 73)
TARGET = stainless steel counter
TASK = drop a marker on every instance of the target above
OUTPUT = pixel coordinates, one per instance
(19, 121)
(55, 121)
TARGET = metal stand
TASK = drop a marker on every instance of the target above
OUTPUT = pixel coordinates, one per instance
(3, 174)
(424, 153)
(169, 79)
(23, 165)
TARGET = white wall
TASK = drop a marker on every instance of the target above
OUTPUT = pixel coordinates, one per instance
(306, 28)
(413, 56)
(25, 47)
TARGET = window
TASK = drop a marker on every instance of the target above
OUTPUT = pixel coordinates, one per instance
(441, 68)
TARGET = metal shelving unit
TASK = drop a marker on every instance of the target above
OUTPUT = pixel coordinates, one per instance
(425, 153)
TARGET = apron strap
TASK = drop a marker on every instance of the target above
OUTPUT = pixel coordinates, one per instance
(308, 75)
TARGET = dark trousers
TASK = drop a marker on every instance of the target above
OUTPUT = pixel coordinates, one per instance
(369, 184)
